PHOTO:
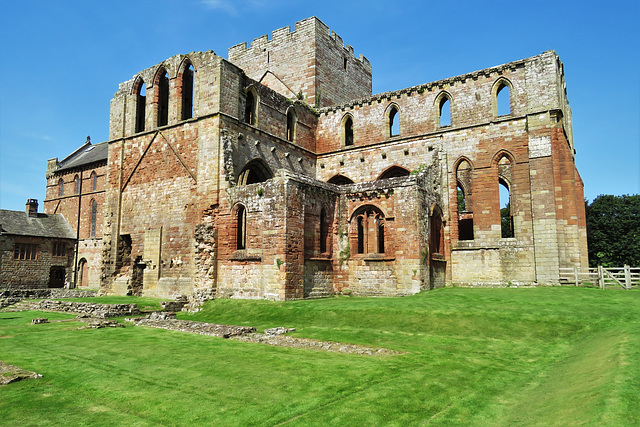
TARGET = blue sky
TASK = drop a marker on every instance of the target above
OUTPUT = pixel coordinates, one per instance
(61, 62)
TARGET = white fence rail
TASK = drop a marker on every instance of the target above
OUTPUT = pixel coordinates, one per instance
(625, 277)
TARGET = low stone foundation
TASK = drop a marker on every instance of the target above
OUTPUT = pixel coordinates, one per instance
(91, 309)
(13, 296)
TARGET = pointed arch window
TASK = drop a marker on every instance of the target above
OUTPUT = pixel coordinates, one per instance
(394, 121)
(444, 111)
(241, 228)
(502, 97)
(187, 91)
(60, 187)
(436, 233)
(504, 189)
(370, 230)
(163, 98)
(348, 131)
(464, 202)
(291, 124)
(250, 109)
(141, 105)
(94, 217)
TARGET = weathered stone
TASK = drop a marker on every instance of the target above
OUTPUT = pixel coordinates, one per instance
(38, 320)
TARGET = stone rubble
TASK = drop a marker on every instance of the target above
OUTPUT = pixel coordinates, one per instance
(10, 374)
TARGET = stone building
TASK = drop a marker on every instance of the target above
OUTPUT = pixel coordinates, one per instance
(76, 190)
(277, 174)
(36, 250)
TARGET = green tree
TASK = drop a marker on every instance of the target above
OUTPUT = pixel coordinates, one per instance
(613, 231)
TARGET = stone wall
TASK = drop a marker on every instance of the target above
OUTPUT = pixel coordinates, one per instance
(91, 309)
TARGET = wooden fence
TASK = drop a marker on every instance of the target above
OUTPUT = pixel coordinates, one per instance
(625, 277)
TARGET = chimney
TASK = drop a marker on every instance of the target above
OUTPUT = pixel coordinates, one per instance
(32, 208)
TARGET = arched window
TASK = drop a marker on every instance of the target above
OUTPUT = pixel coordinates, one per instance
(394, 121)
(339, 180)
(291, 124)
(370, 231)
(444, 109)
(241, 228)
(141, 105)
(76, 184)
(348, 131)
(501, 94)
(394, 172)
(94, 217)
(187, 91)
(255, 171)
(94, 181)
(163, 97)
(61, 187)
(250, 109)
(464, 203)
(506, 208)
(324, 230)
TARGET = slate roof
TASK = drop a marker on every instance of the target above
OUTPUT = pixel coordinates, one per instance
(44, 225)
(84, 155)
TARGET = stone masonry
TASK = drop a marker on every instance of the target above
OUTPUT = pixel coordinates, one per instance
(277, 174)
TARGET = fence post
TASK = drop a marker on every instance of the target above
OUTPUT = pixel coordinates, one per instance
(601, 277)
(627, 277)
(575, 275)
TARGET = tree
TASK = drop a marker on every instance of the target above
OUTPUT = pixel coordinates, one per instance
(613, 231)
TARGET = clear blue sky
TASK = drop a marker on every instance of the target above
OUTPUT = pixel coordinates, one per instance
(61, 62)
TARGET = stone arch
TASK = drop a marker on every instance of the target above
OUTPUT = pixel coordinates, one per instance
(339, 179)
(347, 133)
(392, 119)
(440, 102)
(186, 88)
(161, 84)
(255, 171)
(464, 200)
(140, 91)
(503, 162)
(368, 234)
(292, 120)
(501, 84)
(394, 171)
(83, 273)
(251, 105)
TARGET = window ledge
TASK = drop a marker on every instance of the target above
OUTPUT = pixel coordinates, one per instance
(375, 257)
(242, 255)
(321, 258)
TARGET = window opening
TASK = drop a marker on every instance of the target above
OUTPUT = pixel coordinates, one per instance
(291, 124)
(360, 235)
(255, 171)
(348, 131)
(437, 233)
(163, 99)
(59, 249)
(76, 181)
(445, 112)
(345, 63)
(506, 219)
(503, 99)
(394, 122)
(82, 273)
(462, 205)
(465, 208)
(250, 108)
(187, 92)
(394, 172)
(241, 236)
(370, 231)
(60, 187)
(25, 251)
(339, 180)
(94, 216)
(381, 237)
(94, 181)
(141, 107)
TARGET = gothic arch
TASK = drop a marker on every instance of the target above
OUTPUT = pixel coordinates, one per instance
(252, 102)
(392, 119)
(255, 171)
(140, 91)
(292, 120)
(502, 83)
(347, 130)
(394, 172)
(161, 84)
(368, 232)
(340, 180)
(440, 100)
(186, 80)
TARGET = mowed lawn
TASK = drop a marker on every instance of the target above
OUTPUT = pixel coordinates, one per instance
(542, 356)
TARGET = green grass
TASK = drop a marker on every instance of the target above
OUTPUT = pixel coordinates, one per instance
(545, 356)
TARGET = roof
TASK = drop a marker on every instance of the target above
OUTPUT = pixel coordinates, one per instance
(43, 225)
(84, 155)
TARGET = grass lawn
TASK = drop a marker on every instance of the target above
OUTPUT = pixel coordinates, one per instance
(544, 356)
